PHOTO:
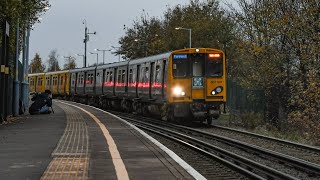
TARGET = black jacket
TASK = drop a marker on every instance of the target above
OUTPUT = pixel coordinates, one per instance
(40, 100)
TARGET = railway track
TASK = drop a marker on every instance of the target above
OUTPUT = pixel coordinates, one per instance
(301, 151)
(260, 161)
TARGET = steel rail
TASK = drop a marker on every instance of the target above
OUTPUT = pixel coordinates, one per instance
(236, 160)
(296, 162)
(302, 146)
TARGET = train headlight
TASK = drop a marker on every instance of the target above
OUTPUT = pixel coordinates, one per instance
(178, 91)
(218, 89)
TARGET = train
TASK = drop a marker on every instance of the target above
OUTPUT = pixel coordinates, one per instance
(181, 85)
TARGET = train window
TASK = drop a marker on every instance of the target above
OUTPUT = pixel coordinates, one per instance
(198, 64)
(73, 79)
(61, 80)
(119, 76)
(39, 81)
(98, 78)
(111, 77)
(82, 79)
(146, 74)
(107, 76)
(180, 67)
(130, 76)
(158, 76)
(214, 67)
(123, 76)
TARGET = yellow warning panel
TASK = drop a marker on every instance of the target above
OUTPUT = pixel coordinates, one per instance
(3, 68)
(7, 70)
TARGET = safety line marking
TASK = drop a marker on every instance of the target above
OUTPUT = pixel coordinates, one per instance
(120, 168)
(194, 173)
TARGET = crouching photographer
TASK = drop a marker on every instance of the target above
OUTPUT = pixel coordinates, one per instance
(41, 104)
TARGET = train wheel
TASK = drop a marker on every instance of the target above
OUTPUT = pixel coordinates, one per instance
(170, 115)
(209, 120)
(145, 111)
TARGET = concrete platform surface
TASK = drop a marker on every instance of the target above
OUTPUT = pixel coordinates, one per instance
(81, 142)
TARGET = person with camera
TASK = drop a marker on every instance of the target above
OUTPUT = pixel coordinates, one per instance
(41, 104)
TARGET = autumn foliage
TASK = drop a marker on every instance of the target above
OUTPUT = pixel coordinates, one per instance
(270, 45)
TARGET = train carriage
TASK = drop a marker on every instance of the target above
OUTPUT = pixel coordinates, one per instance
(36, 82)
(58, 82)
(196, 83)
(182, 84)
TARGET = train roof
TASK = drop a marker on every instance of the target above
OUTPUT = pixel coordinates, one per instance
(150, 58)
(57, 72)
(36, 74)
(114, 64)
(83, 69)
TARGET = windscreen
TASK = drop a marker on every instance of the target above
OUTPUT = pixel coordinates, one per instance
(198, 61)
(180, 65)
(197, 65)
(214, 67)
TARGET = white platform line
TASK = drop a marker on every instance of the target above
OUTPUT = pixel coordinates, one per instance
(119, 166)
(194, 173)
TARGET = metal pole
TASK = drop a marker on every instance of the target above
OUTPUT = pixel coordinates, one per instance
(85, 46)
(103, 55)
(15, 104)
(190, 37)
(97, 59)
(119, 57)
(25, 84)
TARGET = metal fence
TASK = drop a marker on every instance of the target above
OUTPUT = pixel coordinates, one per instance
(241, 100)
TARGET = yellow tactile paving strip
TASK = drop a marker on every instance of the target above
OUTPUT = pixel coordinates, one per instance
(71, 156)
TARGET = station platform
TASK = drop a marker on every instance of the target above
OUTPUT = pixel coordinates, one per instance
(82, 142)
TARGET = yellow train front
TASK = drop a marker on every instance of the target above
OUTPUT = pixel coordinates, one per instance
(196, 84)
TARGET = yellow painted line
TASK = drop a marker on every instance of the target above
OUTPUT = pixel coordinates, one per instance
(120, 168)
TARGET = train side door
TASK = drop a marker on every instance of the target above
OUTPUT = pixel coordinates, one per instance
(164, 78)
(137, 79)
(115, 76)
(151, 79)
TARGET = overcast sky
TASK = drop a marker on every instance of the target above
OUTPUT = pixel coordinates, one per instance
(62, 28)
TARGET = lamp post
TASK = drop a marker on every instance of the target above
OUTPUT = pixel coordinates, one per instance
(86, 39)
(97, 56)
(103, 50)
(187, 29)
